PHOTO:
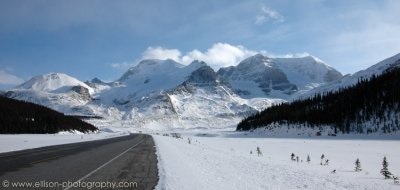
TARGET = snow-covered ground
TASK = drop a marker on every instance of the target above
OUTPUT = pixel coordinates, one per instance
(222, 160)
(27, 141)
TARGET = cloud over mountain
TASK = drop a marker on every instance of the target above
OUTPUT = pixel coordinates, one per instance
(218, 55)
(9, 79)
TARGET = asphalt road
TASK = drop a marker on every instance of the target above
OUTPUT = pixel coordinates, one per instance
(127, 162)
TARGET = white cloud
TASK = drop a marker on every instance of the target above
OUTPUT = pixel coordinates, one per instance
(161, 53)
(288, 55)
(268, 14)
(219, 55)
(151, 53)
(9, 79)
(122, 65)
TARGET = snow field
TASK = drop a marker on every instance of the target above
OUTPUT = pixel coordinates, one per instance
(226, 163)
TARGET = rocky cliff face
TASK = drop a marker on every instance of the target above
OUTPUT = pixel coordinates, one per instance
(285, 78)
(254, 77)
(205, 75)
(84, 92)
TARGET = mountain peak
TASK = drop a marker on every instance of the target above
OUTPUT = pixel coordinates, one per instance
(306, 71)
(260, 56)
(258, 61)
(197, 63)
(158, 62)
(151, 76)
(349, 80)
(149, 66)
(51, 82)
(97, 81)
(312, 58)
(203, 75)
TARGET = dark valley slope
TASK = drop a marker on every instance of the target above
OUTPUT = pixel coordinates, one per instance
(370, 106)
(17, 117)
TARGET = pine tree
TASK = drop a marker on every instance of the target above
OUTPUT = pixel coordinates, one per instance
(358, 165)
(396, 180)
(385, 171)
(292, 157)
(347, 108)
(259, 153)
(308, 158)
(322, 158)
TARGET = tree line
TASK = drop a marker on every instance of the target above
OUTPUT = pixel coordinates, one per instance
(18, 117)
(369, 106)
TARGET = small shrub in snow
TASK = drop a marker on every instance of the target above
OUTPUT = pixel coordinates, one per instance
(396, 180)
(176, 135)
(385, 171)
(259, 153)
(358, 165)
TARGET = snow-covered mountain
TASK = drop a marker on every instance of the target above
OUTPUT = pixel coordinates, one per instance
(164, 94)
(350, 80)
(53, 82)
(198, 102)
(149, 76)
(261, 76)
(98, 85)
(55, 90)
(153, 94)
(306, 72)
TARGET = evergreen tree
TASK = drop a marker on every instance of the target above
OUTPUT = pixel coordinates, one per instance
(385, 171)
(358, 165)
(322, 158)
(396, 180)
(371, 99)
(18, 117)
(259, 153)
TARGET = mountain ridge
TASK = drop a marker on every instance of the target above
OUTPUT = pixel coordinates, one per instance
(165, 93)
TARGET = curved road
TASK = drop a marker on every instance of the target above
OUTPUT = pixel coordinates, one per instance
(127, 162)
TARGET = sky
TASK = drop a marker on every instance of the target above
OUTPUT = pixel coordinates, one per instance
(88, 39)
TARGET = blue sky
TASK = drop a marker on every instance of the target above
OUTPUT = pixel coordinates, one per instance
(88, 39)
